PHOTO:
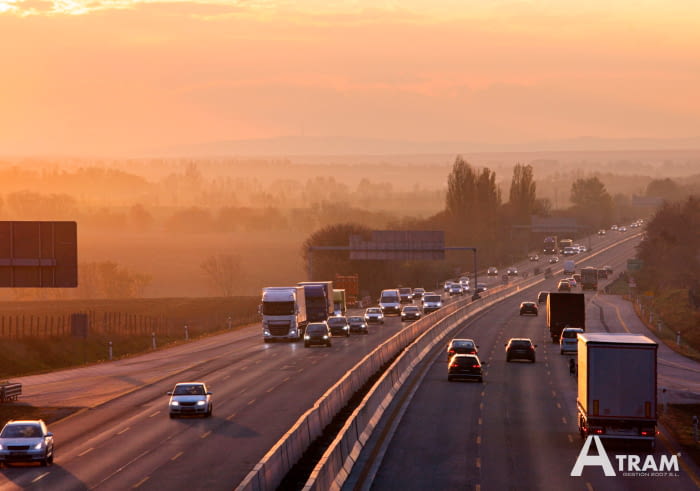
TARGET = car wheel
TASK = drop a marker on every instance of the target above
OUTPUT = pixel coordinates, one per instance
(211, 410)
(50, 458)
(172, 416)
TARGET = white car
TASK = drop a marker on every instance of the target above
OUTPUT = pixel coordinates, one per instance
(374, 314)
(568, 342)
(190, 399)
(26, 441)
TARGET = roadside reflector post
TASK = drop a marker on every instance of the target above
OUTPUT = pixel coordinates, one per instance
(228, 321)
(678, 338)
(153, 340)
(187, 334)
(695, 428)
(110, 351)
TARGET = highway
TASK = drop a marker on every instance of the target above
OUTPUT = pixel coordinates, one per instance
(122, 437)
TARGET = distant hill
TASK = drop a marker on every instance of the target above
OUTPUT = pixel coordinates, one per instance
(312, 145)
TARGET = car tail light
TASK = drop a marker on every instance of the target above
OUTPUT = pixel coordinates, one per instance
(476, 366)
(454, 365)
(597, 430)
(532, 348)
(451, 352)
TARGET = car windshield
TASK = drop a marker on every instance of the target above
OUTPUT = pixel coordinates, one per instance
(389, 297)
(278, 308)
(410, 309)
(418, 290)
(21, 431)
(404, 290)
(337, 321)
(354, 320)
(374, 311)
(316, 328)
(462, 344)
(432, 298)
(569, 334)
(189, 390)
(520, 344)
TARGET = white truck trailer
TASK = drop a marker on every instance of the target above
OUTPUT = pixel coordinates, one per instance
(617, 387)
(283, 310)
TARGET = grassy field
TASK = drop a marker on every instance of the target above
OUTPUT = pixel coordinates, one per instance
(678, 418)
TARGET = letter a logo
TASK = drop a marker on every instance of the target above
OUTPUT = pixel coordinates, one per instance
(601, 459)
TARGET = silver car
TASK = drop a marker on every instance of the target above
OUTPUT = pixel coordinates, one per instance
(26, 441)
(190, 399)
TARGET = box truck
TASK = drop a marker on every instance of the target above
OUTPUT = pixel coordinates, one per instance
(319, 299)
(339, 305)
(565, 310)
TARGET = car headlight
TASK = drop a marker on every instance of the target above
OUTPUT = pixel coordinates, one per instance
(266, 333)
(325, 336)
(306, 336)
(201, 403)
(1, 447)
(39, 446)
(293, 331)
(346, 327)
(174, 403)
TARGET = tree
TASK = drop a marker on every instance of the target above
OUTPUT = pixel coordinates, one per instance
(223, 272)
(592, 203)
(667, 189)
(522, 197)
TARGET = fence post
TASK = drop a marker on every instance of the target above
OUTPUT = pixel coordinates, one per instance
(678, 338)
(110, 351)
(153, 340)
(187, 334)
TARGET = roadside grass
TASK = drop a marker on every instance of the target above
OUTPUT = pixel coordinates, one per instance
(18, 410)
(678, 418)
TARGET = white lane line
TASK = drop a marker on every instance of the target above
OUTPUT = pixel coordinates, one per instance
(40, 477)
(231, 417)
(124, 430)
(225, 377)
(85, 452)
(251, 402)
(270, 389)
(204, 435)
(589, 487)
(478, 440)
(300, 370)
(480, 421)
(571, 438)
(558, 406)
(177, 456)
(478, 463)
(138, 484)
(154, 414)
(481, 406)
(243, 368)
(285, 379)
(554, 393)
(563, 420)
(258, 361)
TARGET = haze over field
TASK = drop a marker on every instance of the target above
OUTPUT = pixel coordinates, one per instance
(132, 77)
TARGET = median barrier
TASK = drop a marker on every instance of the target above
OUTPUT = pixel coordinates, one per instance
(10, 392)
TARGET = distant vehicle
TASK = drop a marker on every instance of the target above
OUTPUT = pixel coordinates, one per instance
(446, 286)
(357, 324)
(456, 289)
(564, 286)
(572, 282)
(464, 281)
(528, 308)
(317, 333)
(190, 399)
(390, 302)
(589, 278)
(319, 299)
(542, 297)
(569, 267)
(405, 295)
(613, 227)
(418, 293)
(374, 315)
(549, 246)
(339, 326)
(520, 349)
(577, 277)
(351, 285)
(602, 274)
(622, 229)
(512, 271)
(601, 231)
(461, 347)
(410, 312)
(565, 310)
(569, 251)
(608, 269)
(431, 303)
(534, 257)
(284, 312)
(568, 342)
(481, 287)
(339, 303)
(464, 367)
(492, 271)
(26, 441)
(553, 260)
(564, 243)
(616, 397)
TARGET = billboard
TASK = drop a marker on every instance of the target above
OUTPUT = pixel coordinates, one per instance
(399, 245)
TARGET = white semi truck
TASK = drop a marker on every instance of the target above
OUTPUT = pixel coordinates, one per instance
(617, 387)
(283, 310)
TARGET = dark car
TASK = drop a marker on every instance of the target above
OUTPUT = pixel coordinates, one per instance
(553, 260)
(534, 257)
(512, 271)
(542, 297)
(317, 333)
(520, 349)
(466, 367)
(410, 313)
(528, 308)
(405, 295)
(481, 287)
(418, 293)
(492, 271)
(339, 326)
(461, 347)
(564, 286)
(357, 324)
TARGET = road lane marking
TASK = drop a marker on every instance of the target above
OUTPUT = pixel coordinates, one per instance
(251, 402)
(154, 414)
(285, 379)
(243, 368)
(481, 406)
(571, 438)
(85, 452)
(589, 487)
(231, 417)
(300, 370)
(204, 435)
(225, 377)
(478, 440)
(483, 392)
(138, 484)
(270, 389)
(124, 430)
(478, 463)
(558, 406)
(40, 477)
(258, 361)
(563, 420)
(548, 372)
(554, 393)
(480, 421)
(177, 456)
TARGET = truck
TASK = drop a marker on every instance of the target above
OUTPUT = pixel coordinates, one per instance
(339, 305)
(550, 245)
(351, 285)
(616, 398)
(569, 267)
(565, 310)
(589, 278)
(319, 299)
(565, 243)
(284, 315)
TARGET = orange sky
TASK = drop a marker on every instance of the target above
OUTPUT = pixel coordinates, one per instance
(117, 77)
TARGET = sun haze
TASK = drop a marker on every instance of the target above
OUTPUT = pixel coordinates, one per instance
(120, 77)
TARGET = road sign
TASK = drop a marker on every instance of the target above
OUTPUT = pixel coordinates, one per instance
(399, 245)
(38, 254)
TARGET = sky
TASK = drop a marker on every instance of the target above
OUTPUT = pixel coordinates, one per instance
(117, 77)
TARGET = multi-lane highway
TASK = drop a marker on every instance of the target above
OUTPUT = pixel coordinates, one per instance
(122, 437)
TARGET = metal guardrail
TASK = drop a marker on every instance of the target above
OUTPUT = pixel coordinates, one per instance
(10, 392)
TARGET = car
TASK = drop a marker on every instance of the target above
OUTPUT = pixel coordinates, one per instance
(583, 248)
(481, 287)
(492, 271)
(622, 229)
(317, 333)
(418, 293)
(528, 308)
(390, 301)
(339, 326)
(464, 281)
(190, 399)
(553, 260)
(572, 281)
(357, 324)
(542, 297)
(577, 277)
(602, 231)
(568, 342)
(569, 251)
(374, 315)
(410, 312)
(456, 289)
(446, 286)
(608, 269)
(405, 295)
(613, 227)
(461, 346)
(534, 257)
(512, 271)
(27, 440)
(520, 349)
(464, 367)
(431, 303)
(564, 286)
